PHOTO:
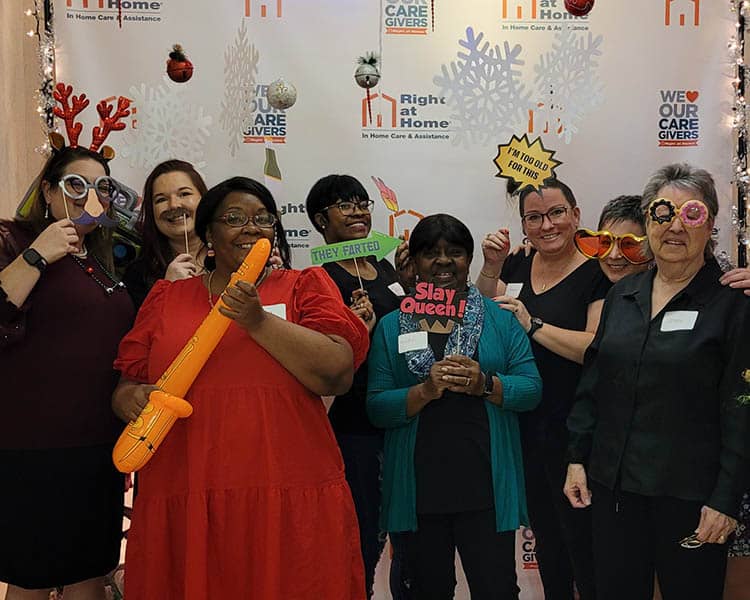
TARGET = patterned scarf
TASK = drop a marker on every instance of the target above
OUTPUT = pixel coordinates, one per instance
(463, 339)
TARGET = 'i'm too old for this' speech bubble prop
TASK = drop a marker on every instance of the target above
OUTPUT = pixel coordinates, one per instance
(525, 164)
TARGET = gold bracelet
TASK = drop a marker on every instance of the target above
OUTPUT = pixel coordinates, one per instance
(483, 274)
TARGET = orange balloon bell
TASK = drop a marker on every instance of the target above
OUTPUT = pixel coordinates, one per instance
(141, 438)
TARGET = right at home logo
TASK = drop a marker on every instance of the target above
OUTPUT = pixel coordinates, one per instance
(538, 15)
(405, 116)
(682, 13)
(136, 11)
(264, 9)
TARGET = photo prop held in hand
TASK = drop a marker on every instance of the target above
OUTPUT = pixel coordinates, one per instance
(142, 437)
(525, 164)
(378, 245)
(435, 305)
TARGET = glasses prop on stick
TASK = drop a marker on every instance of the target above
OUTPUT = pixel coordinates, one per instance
(142, 437)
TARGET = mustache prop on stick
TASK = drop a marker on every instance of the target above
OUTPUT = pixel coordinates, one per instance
(142, 437)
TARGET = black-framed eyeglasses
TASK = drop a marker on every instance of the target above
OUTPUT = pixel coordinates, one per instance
(555, 215)
(264, 220)
(75, 186)
(348, 207)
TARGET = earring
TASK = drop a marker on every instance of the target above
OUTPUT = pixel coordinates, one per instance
(210, 252)
(46, 212)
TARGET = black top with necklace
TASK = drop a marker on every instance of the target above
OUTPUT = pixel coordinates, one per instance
(563, 305)
(348, 413)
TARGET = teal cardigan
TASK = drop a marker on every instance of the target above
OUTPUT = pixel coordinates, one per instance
(503, 348)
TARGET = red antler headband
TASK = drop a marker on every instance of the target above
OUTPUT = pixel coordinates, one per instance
(107, 121)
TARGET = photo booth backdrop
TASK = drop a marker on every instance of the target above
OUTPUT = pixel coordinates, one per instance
(615, 94)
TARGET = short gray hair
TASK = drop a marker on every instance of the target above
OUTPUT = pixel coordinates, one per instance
(684, 177)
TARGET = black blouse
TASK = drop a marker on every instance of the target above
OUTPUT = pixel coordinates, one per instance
(658, 408)
(348, 413)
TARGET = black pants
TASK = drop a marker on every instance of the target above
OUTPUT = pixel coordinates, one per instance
(487, 557)
(363, 456)
(635, 536)
(563, 533)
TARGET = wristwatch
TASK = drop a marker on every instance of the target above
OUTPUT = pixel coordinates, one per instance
(489, 383)
(35, 259)
(536, 323)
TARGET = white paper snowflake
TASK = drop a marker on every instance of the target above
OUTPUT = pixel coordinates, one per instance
(167, 126)
(484, 91)
(240, 71)
(567, 81)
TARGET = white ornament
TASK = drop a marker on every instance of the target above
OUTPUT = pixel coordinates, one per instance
(367, 74)
(281, 94)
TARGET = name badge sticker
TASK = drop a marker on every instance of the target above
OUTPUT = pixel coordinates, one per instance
(679, 320)
(396, 288)
(276, 309)
(513, 289)
(412, 341)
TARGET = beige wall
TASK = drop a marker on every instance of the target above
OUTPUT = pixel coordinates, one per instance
(20, 126)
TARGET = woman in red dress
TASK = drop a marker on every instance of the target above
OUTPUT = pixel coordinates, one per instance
(247, 497)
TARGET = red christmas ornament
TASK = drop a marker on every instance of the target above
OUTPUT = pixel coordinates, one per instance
(579, 8)
(179, 68)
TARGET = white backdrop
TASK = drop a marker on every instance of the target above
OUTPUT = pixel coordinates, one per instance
(601, 91)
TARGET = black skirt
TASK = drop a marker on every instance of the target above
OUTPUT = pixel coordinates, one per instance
(60, 515)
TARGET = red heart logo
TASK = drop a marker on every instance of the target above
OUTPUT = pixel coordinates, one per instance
(691, 96)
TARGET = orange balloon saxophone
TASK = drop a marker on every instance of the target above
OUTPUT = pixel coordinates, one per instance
(142, 437)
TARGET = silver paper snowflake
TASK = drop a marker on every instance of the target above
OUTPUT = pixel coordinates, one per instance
(240, 71)
(484, 91)
(567, 81)
(167, 126)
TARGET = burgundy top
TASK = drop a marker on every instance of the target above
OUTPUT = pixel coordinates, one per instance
(56, 353)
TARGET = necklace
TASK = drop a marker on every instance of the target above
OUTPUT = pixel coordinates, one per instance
(555, 274)
(211, 276)
(108, 289)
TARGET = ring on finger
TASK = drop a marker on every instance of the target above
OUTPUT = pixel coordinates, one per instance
(721, 539)
(468, 381)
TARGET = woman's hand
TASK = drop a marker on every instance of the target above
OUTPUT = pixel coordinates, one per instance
(182, 267)
(714, 527)
(57, 240)
(464, 375)
(129, 400)
(407, 274)
(274, 261)
(576, 487)
(738, 279)
(436, 382)
(517, 308)
(362, 307)
(243, 305)
(495, 248)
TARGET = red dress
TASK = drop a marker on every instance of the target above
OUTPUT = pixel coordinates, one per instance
(246, 498)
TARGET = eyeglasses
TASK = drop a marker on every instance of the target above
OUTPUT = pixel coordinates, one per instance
(347, 208)
(555, 215)
(598, 244)
(692, 214)
(264, 220)
(75, 186)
